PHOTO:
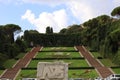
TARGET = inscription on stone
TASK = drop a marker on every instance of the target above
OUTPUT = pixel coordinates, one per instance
(52, 71)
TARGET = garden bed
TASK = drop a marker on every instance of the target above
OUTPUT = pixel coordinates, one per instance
(96, 54)
(83, 73)
(116, 70)
(107, 62)
(1, 71)
(57, 54)
(27, 74)
(72, 63)
(9, 63)
(58, 49)
(79, 73)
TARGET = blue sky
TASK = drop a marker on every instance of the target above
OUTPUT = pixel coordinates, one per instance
(38, 14)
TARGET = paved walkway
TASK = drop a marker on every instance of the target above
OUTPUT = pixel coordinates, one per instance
(103, 71)
(12, 72)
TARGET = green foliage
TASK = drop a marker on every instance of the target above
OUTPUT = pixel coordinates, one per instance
(52, 39)
(49, 30)
(3, 58)
(73, 29)
(63, 31)
(116, 58)
(116, 12)
(21, 44)
(10, 29)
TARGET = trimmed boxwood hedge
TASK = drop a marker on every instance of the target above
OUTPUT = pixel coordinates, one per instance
(81, 68)
(113, 67)
(60, 51)
(76, 58)
(73, 68)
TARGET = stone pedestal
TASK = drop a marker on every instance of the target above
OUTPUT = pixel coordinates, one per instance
(52, 71)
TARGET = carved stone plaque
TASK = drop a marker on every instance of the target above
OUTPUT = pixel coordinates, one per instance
(52, 71)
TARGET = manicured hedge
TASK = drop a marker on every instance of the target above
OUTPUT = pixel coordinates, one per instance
(81, 68)
(73, 68)
(29, 68)
(113, 67)
(60, 51)
(75, 58)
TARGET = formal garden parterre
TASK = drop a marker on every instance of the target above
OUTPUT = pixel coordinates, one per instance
(78, 66)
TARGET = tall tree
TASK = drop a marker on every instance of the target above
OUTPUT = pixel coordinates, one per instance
(62, 31)
(49, 30)
(116, 12)
(10, 29)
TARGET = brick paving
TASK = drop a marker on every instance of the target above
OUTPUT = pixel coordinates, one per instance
(11, 73)
(103, 71)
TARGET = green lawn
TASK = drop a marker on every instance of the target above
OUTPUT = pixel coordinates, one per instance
(57, 54)
(21, 55)
(96, 54)
(28, 49)
(9, 63)
(58, 48)
(26, 74)
(117, 70)
(107, 62)
(82, 73)
(1, 71)
(72, 63)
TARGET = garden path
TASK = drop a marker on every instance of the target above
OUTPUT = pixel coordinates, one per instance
(103, 71)
(12, 72)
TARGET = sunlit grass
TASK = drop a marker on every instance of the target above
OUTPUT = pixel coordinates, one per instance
(96, 54)
(82, 73)
(57, 54)
(21, 55)
(57, 48)
(9, 63)
(117, 70)
(107, 62)
(26, 74)
(1, 71)
(72, 63)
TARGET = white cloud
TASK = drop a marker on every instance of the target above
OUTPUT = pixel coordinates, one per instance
(29, 16)
(81, 10)
(57, 20)
(84, 10)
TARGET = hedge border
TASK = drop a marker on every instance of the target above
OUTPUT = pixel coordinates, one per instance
(75, 58)
(70, 68)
